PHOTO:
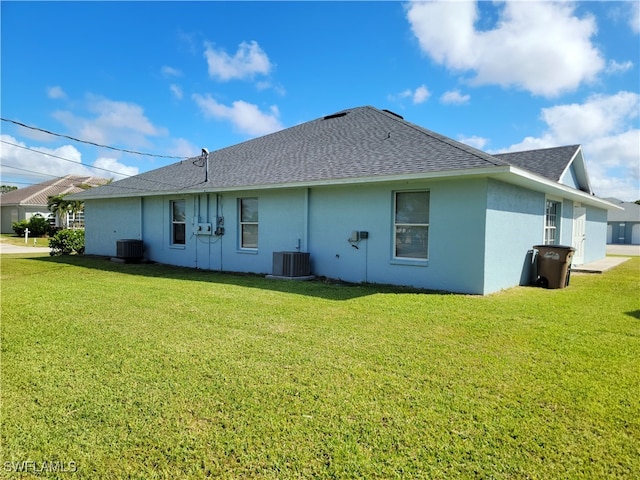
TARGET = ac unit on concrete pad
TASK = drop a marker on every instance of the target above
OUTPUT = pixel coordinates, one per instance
(129, 249)
(291, 264)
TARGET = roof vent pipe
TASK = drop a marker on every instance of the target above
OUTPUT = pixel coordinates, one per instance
(205, 158)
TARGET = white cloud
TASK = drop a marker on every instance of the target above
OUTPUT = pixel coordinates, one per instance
(474, 141)
(454, 97)
(634, 17)
(421, 95)
(183, 148)
(248, 61)
(56, 93)
(604, 126)
(176, 90)
(29, 163)
(541, 47)
(168, 71)
(113, 122)
(245, 117)
(614, 67)
(113, 165)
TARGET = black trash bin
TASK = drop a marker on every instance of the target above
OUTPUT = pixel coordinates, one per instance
(553, 265)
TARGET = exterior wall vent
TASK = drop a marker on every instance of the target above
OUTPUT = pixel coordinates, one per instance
(129, 249)
(291, 264)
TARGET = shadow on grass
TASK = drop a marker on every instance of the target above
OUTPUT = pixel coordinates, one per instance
(320, 287)
(635, 314)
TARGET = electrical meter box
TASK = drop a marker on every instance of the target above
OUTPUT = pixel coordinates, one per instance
(204, 229)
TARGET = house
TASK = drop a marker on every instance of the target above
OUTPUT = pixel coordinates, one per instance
(23, 203)
(371, 198)
(623, 226)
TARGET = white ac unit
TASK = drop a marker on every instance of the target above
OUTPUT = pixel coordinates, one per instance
(291, 264)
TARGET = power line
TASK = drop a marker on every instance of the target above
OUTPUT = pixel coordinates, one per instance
(62, 158)
(87, 141)
(96, 168)
(28, 171)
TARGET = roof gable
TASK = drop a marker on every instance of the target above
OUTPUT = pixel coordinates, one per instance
(564, 165)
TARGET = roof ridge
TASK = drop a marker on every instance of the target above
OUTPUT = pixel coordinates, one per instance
(576, 145)
(443, 138)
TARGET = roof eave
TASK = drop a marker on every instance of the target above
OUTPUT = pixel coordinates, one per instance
(506, 173)
(526, 179)
(202, 188)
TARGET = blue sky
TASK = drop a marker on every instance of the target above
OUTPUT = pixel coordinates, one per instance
(170, 78)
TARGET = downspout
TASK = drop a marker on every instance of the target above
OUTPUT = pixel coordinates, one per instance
(219, 214)
(305, 246)
(195, 220)
(141, 219)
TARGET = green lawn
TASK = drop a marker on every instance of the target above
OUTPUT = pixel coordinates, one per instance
(19, 241)
(149, 371)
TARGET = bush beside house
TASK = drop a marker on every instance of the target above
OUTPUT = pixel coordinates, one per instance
(67, 242)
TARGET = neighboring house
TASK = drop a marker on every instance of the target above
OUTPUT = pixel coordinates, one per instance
(623, 226)
(371, 197)
(23, 203)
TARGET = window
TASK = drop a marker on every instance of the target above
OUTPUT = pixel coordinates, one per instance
(248, 222)
(411, 222)
(178, 224)
(552, 214)
(75, 219)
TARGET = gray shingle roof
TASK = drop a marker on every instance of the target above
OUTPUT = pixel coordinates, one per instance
(362, 142)
(547, 162)
(630, 212)
(38, 195)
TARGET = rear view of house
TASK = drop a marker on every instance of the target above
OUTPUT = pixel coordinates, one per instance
(371, 198)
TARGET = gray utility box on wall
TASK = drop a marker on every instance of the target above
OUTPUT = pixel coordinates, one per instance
(291, 264)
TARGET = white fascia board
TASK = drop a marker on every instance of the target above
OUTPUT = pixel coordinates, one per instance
(505, 173)
(449, 174)
(532, 181)
(580, 168)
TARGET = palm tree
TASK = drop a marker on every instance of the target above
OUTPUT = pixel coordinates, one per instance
(61, 208)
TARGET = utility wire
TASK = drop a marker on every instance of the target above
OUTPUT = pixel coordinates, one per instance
(28, 171)
(96, 168)
(62, 158)
(86, 141)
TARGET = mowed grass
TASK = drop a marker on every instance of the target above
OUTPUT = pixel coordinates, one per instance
(149, 371)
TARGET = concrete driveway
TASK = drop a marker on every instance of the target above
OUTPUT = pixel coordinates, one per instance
(628, 250)
(8, 248)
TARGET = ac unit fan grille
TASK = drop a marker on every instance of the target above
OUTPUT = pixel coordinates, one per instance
(129, 248)
(291, 264)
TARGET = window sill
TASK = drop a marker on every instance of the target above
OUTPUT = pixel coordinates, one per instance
(409, 262)
(247, 251)
(177, 247)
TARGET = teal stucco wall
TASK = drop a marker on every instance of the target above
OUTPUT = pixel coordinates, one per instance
(480, 232)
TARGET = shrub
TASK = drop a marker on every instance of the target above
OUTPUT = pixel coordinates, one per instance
(38, 226)
(67, 242)
(20, 227)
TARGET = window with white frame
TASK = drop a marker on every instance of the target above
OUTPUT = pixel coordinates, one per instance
(411, 225)
(551, 223)
(178, 222)
(248, 209)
